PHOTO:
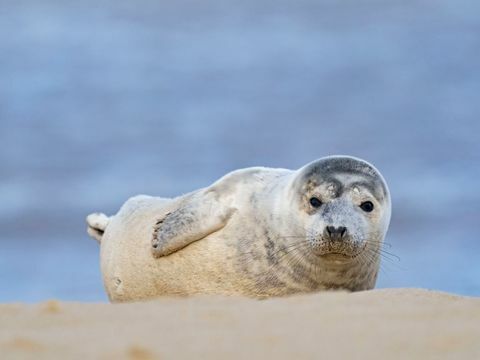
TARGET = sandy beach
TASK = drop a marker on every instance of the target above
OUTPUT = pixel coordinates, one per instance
(379, 324)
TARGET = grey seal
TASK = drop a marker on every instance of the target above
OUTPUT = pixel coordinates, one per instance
(256, 232)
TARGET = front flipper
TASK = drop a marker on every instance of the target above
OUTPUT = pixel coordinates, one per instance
(198, 215)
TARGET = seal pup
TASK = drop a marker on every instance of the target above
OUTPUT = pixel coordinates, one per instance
(256, 232)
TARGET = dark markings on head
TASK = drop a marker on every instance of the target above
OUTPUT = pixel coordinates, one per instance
(325, 169)
(371, 187)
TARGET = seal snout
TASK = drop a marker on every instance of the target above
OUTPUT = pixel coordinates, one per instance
(336, 241)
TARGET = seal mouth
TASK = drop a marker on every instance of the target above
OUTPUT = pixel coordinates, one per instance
(336, 256)
(339, 252)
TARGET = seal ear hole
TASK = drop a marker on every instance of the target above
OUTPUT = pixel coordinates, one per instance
(367, 206)
(315, 202)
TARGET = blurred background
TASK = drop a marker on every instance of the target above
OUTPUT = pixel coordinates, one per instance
(102, 100)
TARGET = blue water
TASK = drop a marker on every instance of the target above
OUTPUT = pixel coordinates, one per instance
(100, 101)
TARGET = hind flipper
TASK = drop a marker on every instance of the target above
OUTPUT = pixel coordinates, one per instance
(97, 223)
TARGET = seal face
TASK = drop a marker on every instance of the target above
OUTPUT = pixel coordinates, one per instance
(256, 232)
(347, 205)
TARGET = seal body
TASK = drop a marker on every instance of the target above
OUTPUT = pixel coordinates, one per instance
(256, 232)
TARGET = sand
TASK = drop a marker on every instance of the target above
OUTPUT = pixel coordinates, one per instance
(379, 324)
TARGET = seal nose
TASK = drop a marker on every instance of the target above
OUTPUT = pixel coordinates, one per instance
(336, 233)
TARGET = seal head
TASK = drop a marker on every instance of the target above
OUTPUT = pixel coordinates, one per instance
(344, 206)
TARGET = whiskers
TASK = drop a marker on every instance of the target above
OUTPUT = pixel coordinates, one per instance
(292, 263)
(376, 251)
(283, 263)
(301, 243)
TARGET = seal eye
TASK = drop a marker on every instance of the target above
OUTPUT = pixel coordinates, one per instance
(315, 202)
(367, 206)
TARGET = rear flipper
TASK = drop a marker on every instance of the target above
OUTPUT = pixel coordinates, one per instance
(97, 223)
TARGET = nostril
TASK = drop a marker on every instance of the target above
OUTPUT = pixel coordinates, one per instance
(342, 230)
(330, 230)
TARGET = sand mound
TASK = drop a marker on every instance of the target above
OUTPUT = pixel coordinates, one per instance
(379, 324)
